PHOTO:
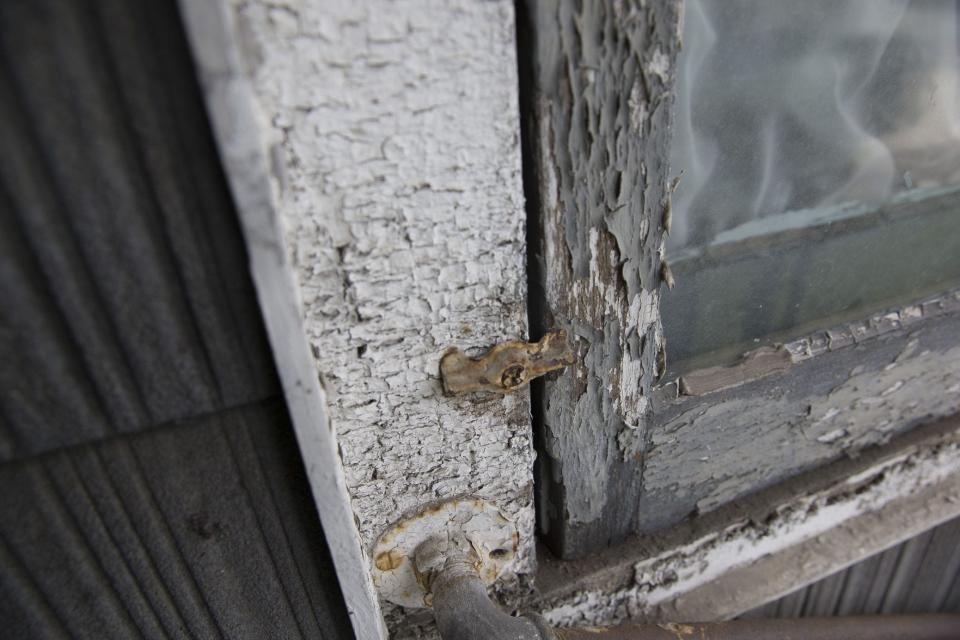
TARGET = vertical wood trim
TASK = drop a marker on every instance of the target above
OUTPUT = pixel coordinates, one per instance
(602, 111)
(238, 129)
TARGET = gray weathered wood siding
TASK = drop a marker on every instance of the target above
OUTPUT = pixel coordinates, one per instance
(125, 303)
(151, 485)
(921, 575)
(200, 529)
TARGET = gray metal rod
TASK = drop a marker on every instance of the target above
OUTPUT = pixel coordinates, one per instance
(464, 611)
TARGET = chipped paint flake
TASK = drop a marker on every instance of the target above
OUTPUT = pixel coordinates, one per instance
(660, 64)
(638, 109)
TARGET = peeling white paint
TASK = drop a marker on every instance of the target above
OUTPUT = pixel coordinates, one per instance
(397, 173)
(638, 109)
(881, 400)
(603, 193)
(638, 315)
(239, 126)
(660, 64)
(754, 439)
(668, 576)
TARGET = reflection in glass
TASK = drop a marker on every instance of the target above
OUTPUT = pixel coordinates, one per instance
(819, 147)
(793, 106)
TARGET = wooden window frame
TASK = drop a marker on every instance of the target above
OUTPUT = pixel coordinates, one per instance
(624, 449)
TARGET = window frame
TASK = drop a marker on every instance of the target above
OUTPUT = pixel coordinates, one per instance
(610, 467)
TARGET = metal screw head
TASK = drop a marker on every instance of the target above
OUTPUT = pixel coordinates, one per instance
(513, 376)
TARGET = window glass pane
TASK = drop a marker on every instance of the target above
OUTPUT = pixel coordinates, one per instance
(819, 145)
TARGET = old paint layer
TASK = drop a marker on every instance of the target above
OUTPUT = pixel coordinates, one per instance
(724, 571)
(756, 364)
(876, 382)
(237, 125)
(395, 144)
(602, 106)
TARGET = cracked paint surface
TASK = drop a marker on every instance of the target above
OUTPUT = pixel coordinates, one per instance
(397, 173)
(881, 377)
(661, 585)
(603, 102)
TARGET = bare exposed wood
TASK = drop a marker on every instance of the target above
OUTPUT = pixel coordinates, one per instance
(601, 105)
(754, 365)
(506, 367)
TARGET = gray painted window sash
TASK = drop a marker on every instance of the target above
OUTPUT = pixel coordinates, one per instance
(622, 449)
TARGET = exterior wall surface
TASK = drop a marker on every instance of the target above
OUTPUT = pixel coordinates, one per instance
(921, 575)
(394, 136)
(150, 483)
(393, 142)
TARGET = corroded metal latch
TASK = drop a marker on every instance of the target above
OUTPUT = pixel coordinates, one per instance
(507, 366)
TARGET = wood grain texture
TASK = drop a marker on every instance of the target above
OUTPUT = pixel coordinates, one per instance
(602, 114)
(215, 36)
(921, 575)
(616, 459)
(123, 308)
(150, 486)
(204, 529)
(395, 137)
(757, 549)
(873, 385)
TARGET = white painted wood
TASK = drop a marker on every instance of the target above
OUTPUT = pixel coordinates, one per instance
(394, 135)
(731, 569)
(238, 127)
